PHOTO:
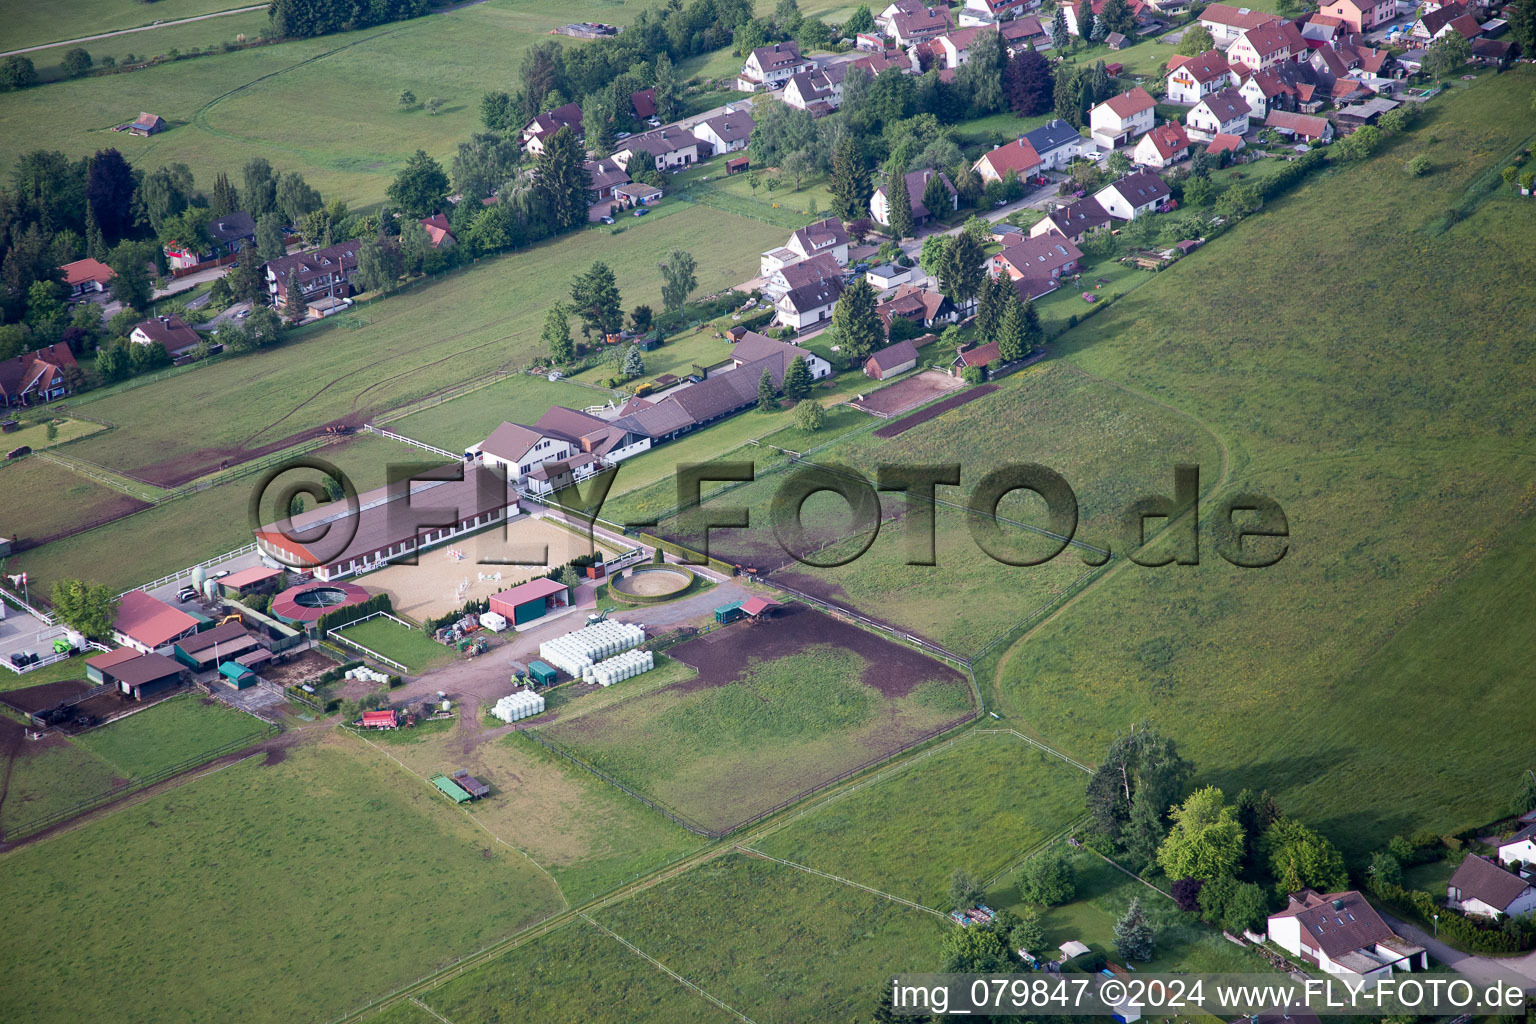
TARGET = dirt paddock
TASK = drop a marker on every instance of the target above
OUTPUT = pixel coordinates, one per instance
(299, 669)
(937, 409)
(431, 587)
(908, 393)
(46, 695)
(721, 656)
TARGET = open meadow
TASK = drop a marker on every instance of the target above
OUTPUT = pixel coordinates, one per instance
(577, 973)
(36, 24)
(337, 853)
(589, 836)
(778, 708)
(975, 804)
(777, 944)
(227, 108)
(1112, 447)
(41, 500)
(1402, 464)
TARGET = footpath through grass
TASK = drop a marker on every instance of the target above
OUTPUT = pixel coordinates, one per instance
(338, 854)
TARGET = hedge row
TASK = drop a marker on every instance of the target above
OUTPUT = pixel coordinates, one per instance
(1466, 933)
(619, 595)
(342, 616)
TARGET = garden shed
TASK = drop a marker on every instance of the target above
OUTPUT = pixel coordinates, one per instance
(542, 674)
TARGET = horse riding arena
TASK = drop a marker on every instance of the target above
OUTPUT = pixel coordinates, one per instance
(468, 568)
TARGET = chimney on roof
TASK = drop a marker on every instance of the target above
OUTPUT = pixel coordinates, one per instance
(1338, 904)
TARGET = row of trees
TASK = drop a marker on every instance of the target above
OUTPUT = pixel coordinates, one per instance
(300, 18)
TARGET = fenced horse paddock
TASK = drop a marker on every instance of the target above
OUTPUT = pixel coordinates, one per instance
(906, 394)
(440, 583)
(778, 708)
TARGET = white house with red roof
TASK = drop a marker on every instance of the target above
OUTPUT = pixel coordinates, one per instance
(1342, 934)
(1161, 147)
(908, 28)
(1134, 195)
(1191, 79)
(1361, 15)
(549, 122)
(87, 275)
(439, 232)
(1074, 221)
(1010, 160)
(171, 331)
(917, 189)
(1122, 118)
(769, 67)
(1225, 22)
(1299, 126)
(1266, 46)
(1220, 113)
(983, 11)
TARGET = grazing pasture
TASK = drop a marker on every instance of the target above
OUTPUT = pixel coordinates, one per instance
(409, 646)
(180, 870)
(577, 972)
(976, 804)
(585, 833)
(778, 708)
(42, 500)
(169, 733)
(778, 944)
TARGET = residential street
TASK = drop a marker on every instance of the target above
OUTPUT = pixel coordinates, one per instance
(1519, 970)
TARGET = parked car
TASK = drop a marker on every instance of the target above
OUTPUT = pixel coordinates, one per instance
(185, 594)
(607, 220)
(621, 135)
(218, 575)
(242, 314)
(641, 212)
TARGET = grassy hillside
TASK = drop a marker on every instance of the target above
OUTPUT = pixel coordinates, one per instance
(1369, 370)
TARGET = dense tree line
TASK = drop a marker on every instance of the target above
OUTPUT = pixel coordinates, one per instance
(301, 18)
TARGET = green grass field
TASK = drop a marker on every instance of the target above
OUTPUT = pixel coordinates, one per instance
(178, 533)
(338, 854)
(169, 733)
(983, 801)
(44, 499)
(577, 972)
(721, 753)
(228, 108)
(589, 836)
(777, 944)
(47, 779)
(461, 422)
(409, 646)
(209, 34)
(1402, 465)
(31, 25)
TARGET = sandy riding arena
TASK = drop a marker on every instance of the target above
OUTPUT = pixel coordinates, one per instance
(441, 582)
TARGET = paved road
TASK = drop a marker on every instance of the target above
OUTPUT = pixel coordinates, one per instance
(141, 28)
(1517, 970)
(184, 284)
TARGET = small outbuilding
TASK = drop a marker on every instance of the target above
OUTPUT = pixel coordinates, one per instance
(202, 651)
(452, 790)
(256, 579)
(531, 600)
(98, 666)
(891, 360)
(759, 607)
(729, 612)
(542, 674)
(146, 676)
(147, 124)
